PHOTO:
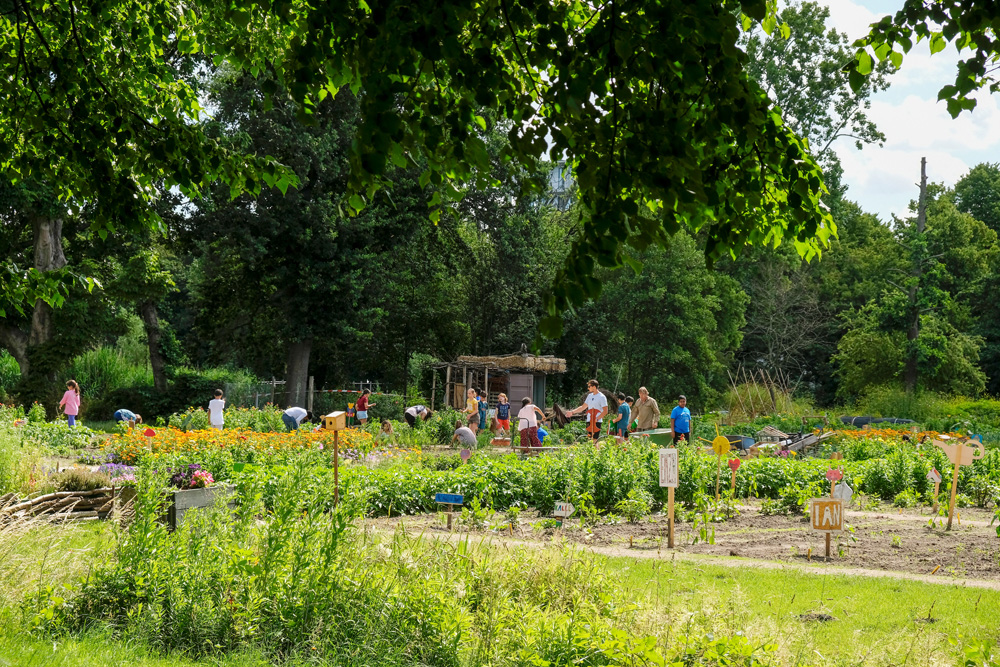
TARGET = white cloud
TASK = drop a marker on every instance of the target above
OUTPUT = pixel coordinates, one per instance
(883, 180)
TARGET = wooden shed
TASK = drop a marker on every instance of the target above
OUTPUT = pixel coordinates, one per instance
(517, 375)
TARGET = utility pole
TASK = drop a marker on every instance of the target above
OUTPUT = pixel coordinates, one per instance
(918, 252)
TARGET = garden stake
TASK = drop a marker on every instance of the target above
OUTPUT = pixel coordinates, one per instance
(721, 446)
(336, 471)
(960, 455)
(670, 517)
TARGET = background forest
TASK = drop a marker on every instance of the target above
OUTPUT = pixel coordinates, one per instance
(289, 285)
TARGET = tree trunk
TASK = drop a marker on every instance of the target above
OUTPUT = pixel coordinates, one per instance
(910, 373)
(297, 372)
(151, 320)
(49, 256)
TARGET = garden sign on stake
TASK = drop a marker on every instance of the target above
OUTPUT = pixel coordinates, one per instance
(669, 478)
(335, 421)
(960, 454)
(734, 465)
(721, 447)
(449, 499)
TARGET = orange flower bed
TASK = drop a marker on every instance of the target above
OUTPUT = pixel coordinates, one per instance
(244, 445)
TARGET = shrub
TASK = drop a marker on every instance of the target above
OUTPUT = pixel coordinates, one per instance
(80, 479)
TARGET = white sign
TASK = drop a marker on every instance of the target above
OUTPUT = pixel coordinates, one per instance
(843, 491)
(668, 467)
(564, 510)
(934, 476)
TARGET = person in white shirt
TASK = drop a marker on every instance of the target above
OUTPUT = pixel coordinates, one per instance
(215, 408)
(595, 401)
(293, 417)
(527, 423)
(415, 411)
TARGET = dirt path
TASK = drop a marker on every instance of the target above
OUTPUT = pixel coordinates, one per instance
(883, 543)
(816, 568)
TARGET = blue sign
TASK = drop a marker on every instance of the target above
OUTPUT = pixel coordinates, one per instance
(449, 498)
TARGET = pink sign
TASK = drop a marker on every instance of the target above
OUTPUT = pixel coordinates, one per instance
(465, 454)
(734, 464)
(149, 433)
(834, 475)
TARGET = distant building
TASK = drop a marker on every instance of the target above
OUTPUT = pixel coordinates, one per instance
(562, 187)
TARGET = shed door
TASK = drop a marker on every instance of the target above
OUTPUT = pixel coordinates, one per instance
(538, 393)
(521, 385)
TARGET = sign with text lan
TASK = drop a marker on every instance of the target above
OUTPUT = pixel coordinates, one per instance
(827, 514)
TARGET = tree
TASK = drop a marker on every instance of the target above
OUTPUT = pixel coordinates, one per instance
(104, 91)
(804, 75)
(673, 327)
(926, 313)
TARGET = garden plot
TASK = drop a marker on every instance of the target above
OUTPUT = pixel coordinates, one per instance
(887, 540)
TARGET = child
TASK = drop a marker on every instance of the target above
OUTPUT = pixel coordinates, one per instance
(503, 415)
(471, 404)
(362, 407)
(215, 408)
(463, 434)
(385, 434)
(623, 417)
(483, 408)
(70, 403)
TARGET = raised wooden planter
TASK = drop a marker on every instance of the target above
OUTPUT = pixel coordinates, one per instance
(183, 501)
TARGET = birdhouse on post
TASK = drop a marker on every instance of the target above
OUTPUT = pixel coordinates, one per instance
(335, 421)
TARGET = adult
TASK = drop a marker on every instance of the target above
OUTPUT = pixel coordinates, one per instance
(362, 407)
(464, 434)
(680, 420)
(127, 416)
(527, 424)
(420, 411)
(70, 402)
(293, 417)
(646, 412)
(595, 400)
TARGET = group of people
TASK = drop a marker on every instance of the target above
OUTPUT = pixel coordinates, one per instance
(634, 416)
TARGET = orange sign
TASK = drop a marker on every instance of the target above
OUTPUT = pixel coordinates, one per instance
(827, 515)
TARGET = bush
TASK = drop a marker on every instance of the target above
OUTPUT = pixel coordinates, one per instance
(80, 479)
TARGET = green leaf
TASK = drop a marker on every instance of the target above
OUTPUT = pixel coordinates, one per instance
(357, 202)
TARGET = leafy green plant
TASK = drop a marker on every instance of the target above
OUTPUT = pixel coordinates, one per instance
(906, 498)
(476, 515)
(80, 479)
(635, 506)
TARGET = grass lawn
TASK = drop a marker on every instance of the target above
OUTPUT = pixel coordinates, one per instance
(876, 621)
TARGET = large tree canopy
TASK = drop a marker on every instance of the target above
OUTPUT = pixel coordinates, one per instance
(649, 101)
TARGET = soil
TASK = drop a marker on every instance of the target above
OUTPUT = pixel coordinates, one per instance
(890, 540)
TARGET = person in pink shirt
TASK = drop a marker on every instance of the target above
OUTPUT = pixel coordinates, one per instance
(70, 403)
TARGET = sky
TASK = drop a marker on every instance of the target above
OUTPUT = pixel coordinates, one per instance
(883, 180)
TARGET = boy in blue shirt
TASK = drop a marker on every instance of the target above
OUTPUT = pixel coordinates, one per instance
(484, 407)
(624, 416)
(680, 420)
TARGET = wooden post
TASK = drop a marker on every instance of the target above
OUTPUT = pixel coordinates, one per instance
(486, 386)
(449, 400)
(336, 468)
(449, 516)
(309, 397)
(937, 492)
(733, 485)
(670, 517)
(434, 380)
(718, 473)
(833, 485)
(954, 487)
(272, 390)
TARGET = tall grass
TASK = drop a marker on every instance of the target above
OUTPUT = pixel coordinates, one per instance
(105, 369)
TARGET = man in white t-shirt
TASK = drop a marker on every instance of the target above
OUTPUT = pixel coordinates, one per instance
(293, 418)
(215, 408)
(595, 401)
